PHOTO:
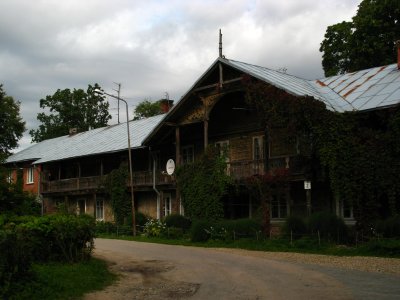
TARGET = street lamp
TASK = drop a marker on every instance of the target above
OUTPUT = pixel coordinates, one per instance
(100, 92)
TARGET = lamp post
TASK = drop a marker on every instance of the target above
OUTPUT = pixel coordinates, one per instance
(100, 92)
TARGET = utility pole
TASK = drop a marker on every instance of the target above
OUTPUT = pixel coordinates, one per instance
(119, 94)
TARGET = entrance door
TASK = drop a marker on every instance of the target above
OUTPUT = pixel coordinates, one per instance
(167, 204)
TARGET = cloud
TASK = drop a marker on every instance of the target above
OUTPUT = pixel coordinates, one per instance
(152, 47)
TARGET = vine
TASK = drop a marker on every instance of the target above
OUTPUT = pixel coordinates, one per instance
(359, 150)
(115, 186)
(202, 185)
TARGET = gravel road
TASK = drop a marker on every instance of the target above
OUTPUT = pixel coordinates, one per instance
(155, 271)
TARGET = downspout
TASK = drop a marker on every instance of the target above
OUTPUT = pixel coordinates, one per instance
(155, 189)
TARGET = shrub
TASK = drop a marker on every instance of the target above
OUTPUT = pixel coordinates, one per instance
(234, 229)
(174, 233)
(15, 260)
(295, 226)
(389, 228)
(154, 228)
(328, 225)
(198, 231)
(178, 221)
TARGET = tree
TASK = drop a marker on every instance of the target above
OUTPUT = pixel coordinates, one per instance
(71, 109)
(367, 41)
(146, 109)
(11, 124)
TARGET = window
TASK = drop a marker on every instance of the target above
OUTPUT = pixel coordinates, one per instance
(187, 154)
(9, 177)
(99, 210)
(278, 207)
(167, 204)
(223, 148)
(347, 210)
(29, 175)
(258, 155)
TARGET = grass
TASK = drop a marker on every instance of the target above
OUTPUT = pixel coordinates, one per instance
(382, 248)
(64, 281)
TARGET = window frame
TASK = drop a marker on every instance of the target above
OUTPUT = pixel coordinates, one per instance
(101, 208)
(30, 175)
(185, 151)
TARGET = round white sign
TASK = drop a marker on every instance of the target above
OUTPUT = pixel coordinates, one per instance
(170, 166)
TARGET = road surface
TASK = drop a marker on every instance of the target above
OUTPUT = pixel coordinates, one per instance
(156, 271)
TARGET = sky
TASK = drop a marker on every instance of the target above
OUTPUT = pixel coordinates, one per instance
(152, 47)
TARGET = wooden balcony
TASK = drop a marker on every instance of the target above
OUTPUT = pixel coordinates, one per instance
(238, 170)
(140, 179)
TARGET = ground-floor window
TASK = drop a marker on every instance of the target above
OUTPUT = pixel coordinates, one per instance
(167, 204)
(279, 207)
(347, 210)
(100, 210)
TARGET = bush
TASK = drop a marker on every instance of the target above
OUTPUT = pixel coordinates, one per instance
(234, 229)
(198, 231)
(389, 228)
(388, 247)
(174, 233)
(328, 225)
(154, 228)
(178, 221)
(15, 260)
(295, 226)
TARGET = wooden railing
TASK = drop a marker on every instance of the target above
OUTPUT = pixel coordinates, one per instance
(144, 178)
(238, 170)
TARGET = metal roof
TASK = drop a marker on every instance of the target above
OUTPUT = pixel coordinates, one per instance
(101, 140)
(362, 90)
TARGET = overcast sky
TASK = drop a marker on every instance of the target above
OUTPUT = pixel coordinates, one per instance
(152, 47)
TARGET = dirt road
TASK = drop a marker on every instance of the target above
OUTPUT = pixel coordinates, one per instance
(154, 271)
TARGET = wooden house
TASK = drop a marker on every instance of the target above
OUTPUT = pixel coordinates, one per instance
(212, 112)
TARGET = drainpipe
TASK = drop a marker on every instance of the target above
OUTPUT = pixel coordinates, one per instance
(155, 189)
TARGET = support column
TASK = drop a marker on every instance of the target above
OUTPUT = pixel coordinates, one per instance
(308, 198)
(177, 146)
(205, 134)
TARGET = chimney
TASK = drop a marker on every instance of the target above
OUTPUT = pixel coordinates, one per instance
(398, 54)
(73, 131)
(165, 105)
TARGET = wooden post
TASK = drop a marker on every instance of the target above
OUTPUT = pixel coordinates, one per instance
(177, 146)
(205, 134)
(308, 197)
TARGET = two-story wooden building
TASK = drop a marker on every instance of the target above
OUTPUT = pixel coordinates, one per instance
(212, 112)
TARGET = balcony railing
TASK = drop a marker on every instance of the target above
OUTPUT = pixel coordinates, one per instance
(144, 178)
(238, 170)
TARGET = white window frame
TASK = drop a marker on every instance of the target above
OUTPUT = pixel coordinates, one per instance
(189, 149)
(280, 200)
(167, 204)
(100, 208)
(342, 206)
(29, 175)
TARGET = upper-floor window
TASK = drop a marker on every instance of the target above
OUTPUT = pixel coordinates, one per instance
(223, 148)
(187, 154)
(9, 176)
(29, 175)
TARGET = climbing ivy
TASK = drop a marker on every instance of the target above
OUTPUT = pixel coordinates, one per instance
(115, 185)
(202, 185)
(358, 150)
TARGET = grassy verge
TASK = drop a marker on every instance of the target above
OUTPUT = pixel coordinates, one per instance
(382, 248)
(64, 281)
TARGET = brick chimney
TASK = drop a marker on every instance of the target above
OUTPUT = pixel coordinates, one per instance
(73, 131)
(165, 105)
(398, 53)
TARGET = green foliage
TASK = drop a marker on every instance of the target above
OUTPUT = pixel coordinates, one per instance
(154, 228)
(367, 41)
(177, 221)
(355, 149)
(389, 228)
(235, 229)
(71, 109)
(116, 187)
(202, 185)
(329, 226)
(13, 200)
(11, 124)
(15, 261)
(199, 231)
(146, 109)
(62, 281)
(295, 226)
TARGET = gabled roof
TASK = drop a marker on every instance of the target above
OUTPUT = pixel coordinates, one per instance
(97, 141)
(362, 90)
